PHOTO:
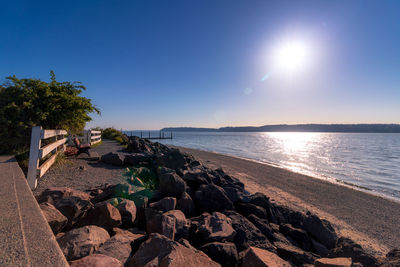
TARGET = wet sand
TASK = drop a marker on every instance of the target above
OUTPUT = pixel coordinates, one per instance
(370, 220)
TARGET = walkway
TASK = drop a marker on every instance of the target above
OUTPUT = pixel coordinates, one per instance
(26, 238)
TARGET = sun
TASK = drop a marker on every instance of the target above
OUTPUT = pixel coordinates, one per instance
(291, 56)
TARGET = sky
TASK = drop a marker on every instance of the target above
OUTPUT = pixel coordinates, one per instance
(154, 64)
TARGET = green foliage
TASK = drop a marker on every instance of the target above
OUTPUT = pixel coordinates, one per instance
(142, 177)
(29, 102)
(114, 134)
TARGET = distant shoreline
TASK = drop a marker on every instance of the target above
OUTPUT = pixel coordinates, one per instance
(323, 128)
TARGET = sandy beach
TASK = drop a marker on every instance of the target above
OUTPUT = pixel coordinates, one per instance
(369, 220)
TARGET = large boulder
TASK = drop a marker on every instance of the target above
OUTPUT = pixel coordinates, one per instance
(196, 178)
(172, 159)
(171, 185)
(298, 235)
(104, 214)
(262, 225)
(182, 224)
(127, 209)
(321, 230)
(236, 195)
(74, 208)
(81, 242)
(119, 245)
(294, 254)
(346, 247)
(159, 250)
(53, 194)
(223, 253)
(247, 234)
(186, 205)
(333, 262)
(135, 159)
(215, 227)
(157, 222)
(165, 204)
(247, 209)
(212, 198)
(262, 258)
(96, 260)
(113, 159)
(56, 219)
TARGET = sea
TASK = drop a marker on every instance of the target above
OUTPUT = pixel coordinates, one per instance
(364, 161)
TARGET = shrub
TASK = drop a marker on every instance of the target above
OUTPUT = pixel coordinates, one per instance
(29, 102)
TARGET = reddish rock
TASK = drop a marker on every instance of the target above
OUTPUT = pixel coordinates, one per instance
(81, 242)
(159, 250)
(119, 245)
(333, 262)
(157, 222)
(74, 208)
(127, 209)
(104, 215)
(186, 205)
(96, 260)
(213, 227)
(182, 225)
(56, 219)
(165, 204)
(223, 253)
(256, 257)
(212, 198)
(294, 254)
(171, 185)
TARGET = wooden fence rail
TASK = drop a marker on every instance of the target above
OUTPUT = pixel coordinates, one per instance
(37, 152)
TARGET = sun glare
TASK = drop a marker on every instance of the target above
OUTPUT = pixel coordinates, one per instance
(291, 56)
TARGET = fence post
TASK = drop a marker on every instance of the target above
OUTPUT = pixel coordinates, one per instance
(89, 136)
(34, 156)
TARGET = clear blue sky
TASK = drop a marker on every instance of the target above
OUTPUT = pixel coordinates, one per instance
(153, 64)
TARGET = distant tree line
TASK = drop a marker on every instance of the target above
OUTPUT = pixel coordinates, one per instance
(29, 102)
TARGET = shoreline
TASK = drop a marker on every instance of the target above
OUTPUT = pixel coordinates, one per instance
(367, 218)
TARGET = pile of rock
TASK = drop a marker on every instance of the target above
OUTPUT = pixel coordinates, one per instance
(198, 217)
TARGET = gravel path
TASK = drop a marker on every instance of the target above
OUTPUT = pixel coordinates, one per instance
(83, 174)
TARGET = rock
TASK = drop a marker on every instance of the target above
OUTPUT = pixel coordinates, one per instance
(74, 208)
(256, 257)
(223, 253)
(247, 209)
(333, 262)
(159, 250)
(135, 159)
(96, 260)
(173, 159)
(294, 254)
(186, 205)
(195, 179)
(119, 245)
(262, 225)
(104, 215)
(56, 219)
(284, 214)
(171, 185)
(113, 159)
(212, 198)
(157, 222)
(182, 225)
(321, 230)
(112, 191)
(236, 195)
(53, 194)
(247, 234)
(298, 235)
(215, 227)
(319, 248)
(165, 204)
(346, 247)
(392, 259)
(80, 242)
(127, 209)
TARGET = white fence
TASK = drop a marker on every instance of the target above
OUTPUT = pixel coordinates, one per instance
(94, 137)
(37, 152)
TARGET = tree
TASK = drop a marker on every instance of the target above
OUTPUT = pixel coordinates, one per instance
(28, 102)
